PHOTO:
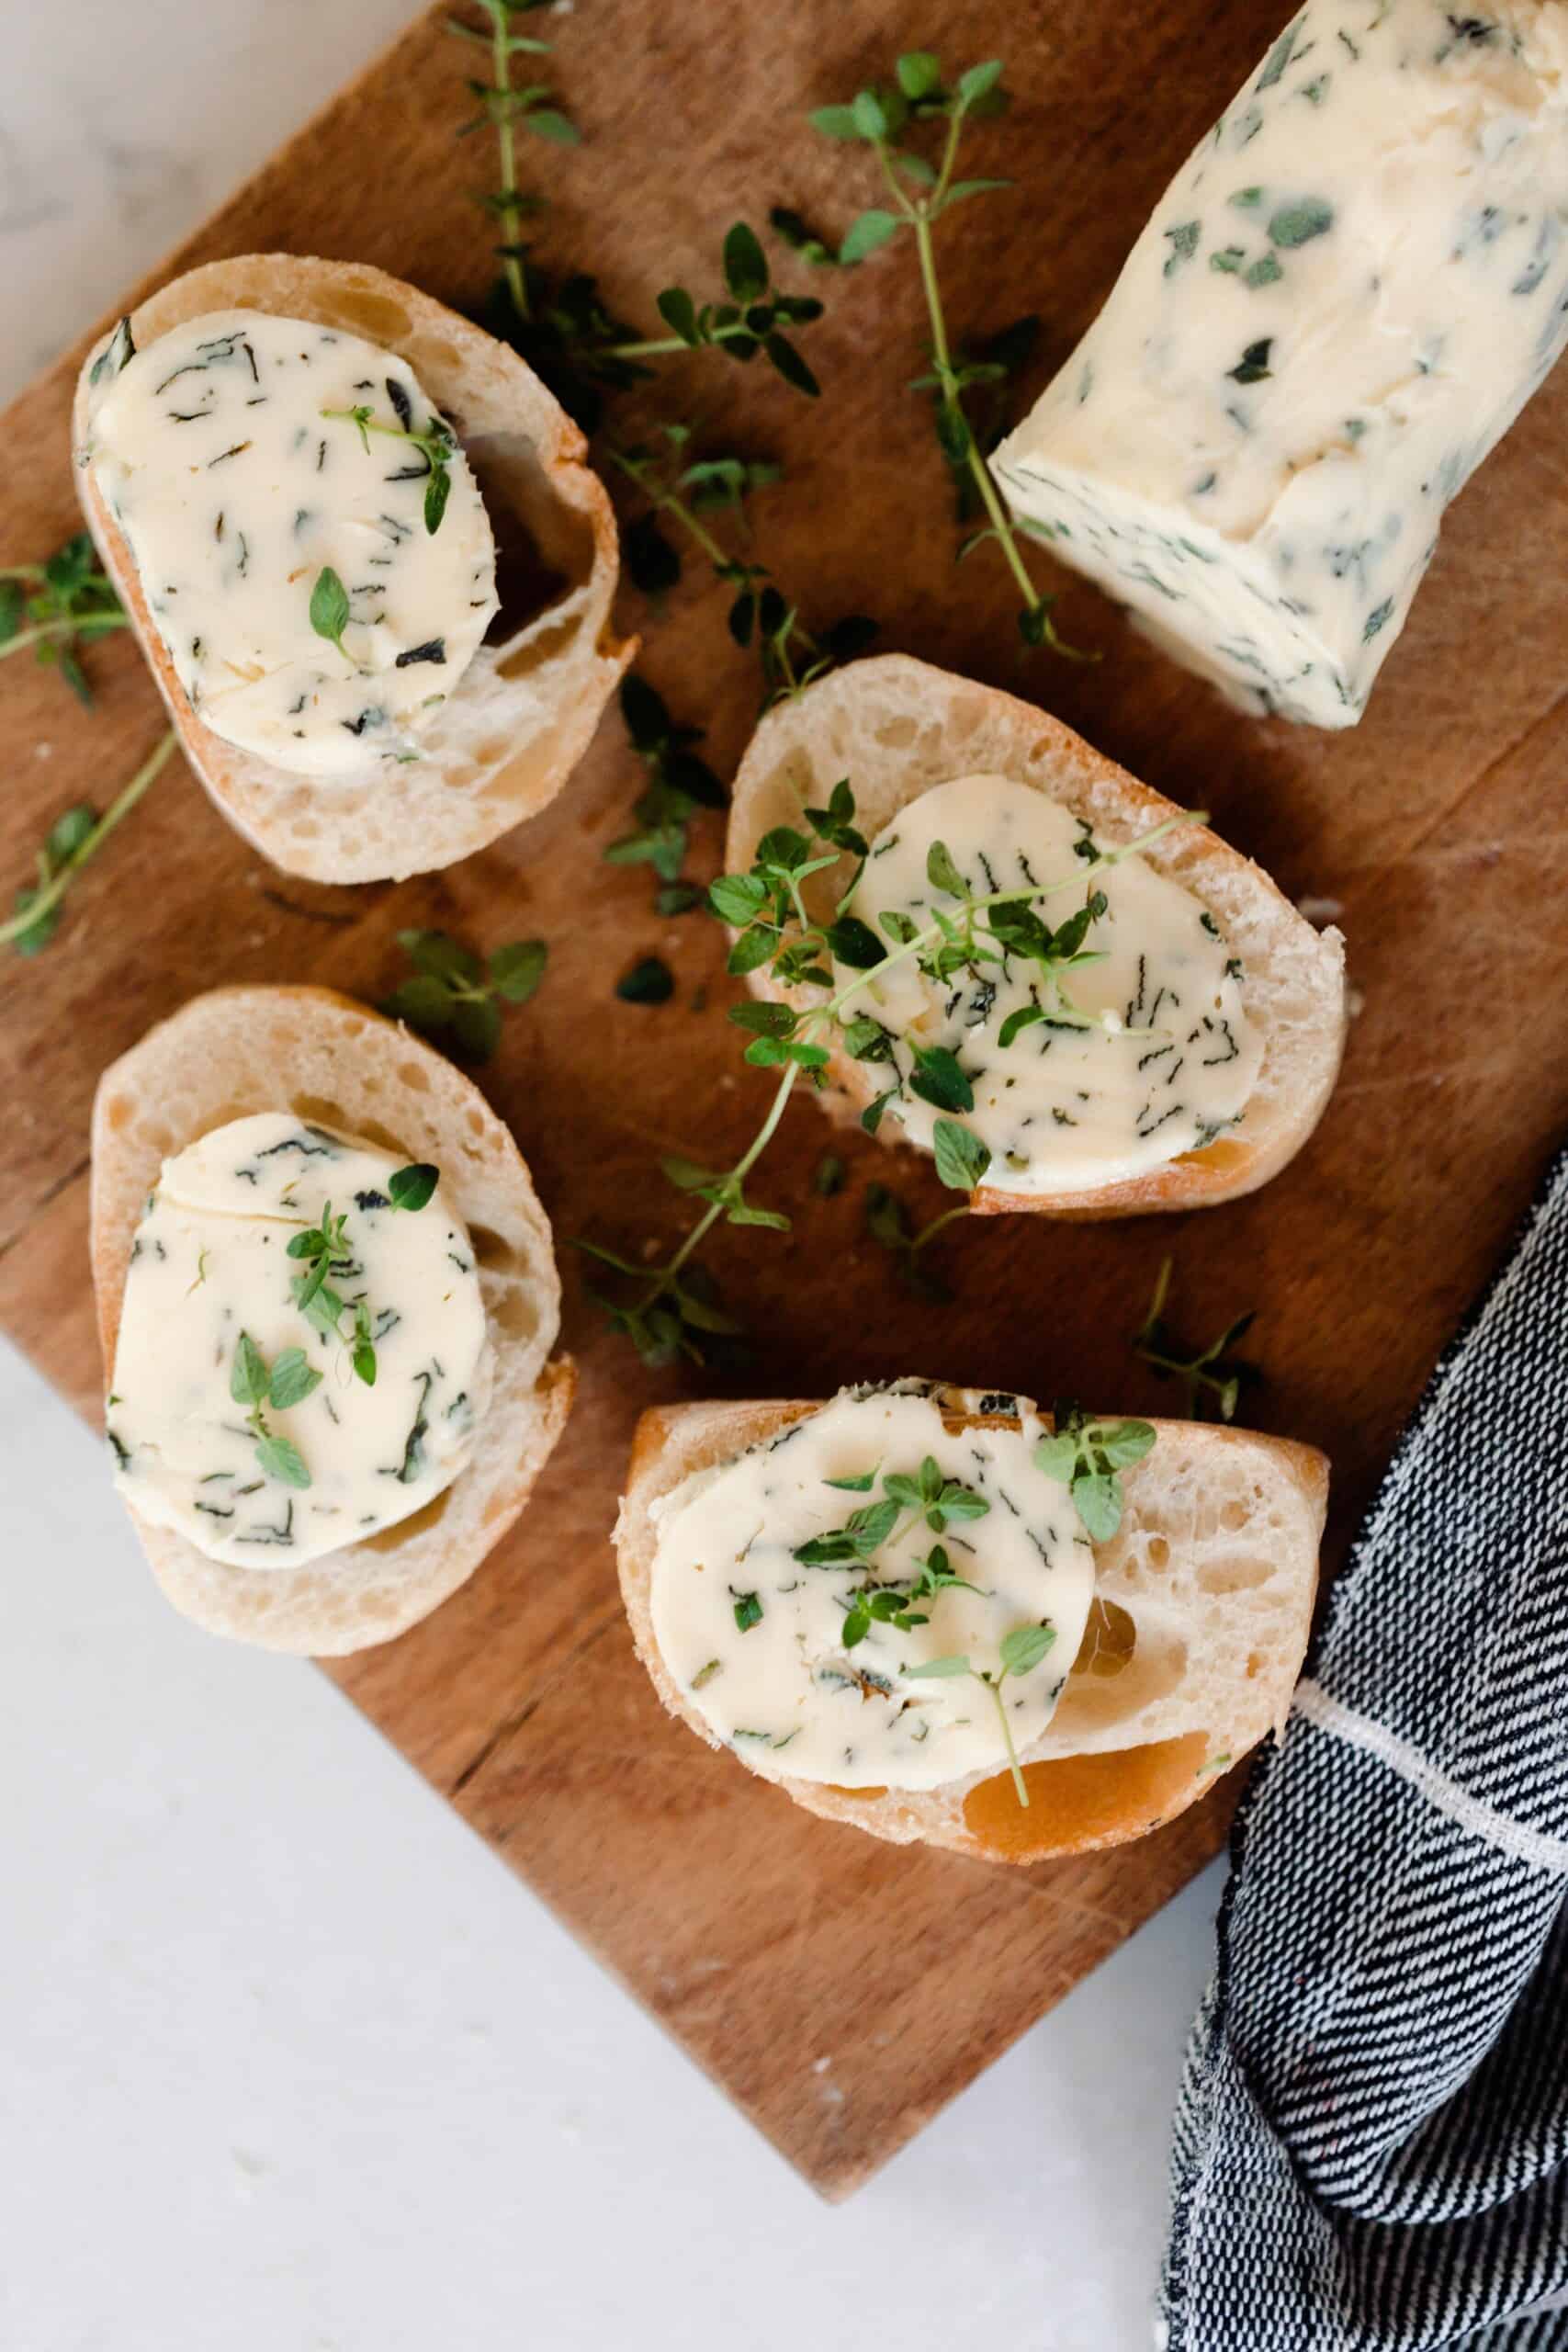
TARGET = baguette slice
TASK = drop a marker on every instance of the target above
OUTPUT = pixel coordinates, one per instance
(524, 713)
(896, 727)
(1202, 1607)
(322, 1056)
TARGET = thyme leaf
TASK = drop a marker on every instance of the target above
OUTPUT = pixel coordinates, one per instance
(453, 999)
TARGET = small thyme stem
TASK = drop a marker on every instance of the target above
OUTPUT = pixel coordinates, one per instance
(506, 144)
(921, 213)
(667, 502)
(52, 891)
(929, 1232)
(996, 1690)
(92, 625)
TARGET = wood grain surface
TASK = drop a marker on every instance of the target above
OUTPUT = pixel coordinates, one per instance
(751, 1931)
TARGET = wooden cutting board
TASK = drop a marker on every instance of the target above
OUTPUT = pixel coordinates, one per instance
(839, 1990)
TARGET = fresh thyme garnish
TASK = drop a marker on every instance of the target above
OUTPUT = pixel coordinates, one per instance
(1203, 1372)
(790, 654)
(747, 319)
(324, 1247)
(435, 445)
(929, 1496)
(454, 999)
(253, 1383)
(764, 905)
(329, 610)
(1021, 1652)
(679, 784)
(70, 840)
(501, 108)
(684, 487)
(889, 1224)
(889, 1604)
(57, 607)
(919, 195)
(1089, 1457)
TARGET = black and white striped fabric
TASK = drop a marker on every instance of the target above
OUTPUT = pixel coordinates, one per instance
(1370, 2151)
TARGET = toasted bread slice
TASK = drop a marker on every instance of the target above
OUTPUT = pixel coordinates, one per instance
(322, 1056)
(896, 727)
(524, 713)
(1202, 1607)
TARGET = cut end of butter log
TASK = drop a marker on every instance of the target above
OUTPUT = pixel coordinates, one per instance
(276, 484)
(271, 1458)
(1339, 306)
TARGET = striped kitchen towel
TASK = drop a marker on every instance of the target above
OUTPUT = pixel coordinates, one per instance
(1370, 2151)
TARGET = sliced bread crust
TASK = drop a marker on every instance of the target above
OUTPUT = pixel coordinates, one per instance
(524, 710)
(322, 1056)
(896, 727)
(1213, 1572)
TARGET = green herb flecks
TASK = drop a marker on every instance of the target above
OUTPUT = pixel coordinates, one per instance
(667, 1313)
(256, 1385)
(436, 443)
(454, 999)
(1021, 1652)
(921, 192)
(58, 606)
(1089, 1457)
(70, 840)
(1209, 1375)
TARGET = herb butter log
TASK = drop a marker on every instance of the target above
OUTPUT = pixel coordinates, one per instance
(1341, 302)
(1016, 959)
(363, 552)
(327, 1300)
(928, 1612)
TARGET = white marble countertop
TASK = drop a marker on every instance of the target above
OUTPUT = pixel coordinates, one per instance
(293, 2064)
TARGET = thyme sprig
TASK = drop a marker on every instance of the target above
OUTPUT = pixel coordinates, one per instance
(58, 606)
(921, 193)
(791, 655)
(678, 785)
(502, 107)
(436, 444)
(256, 1384)
(70, 840)
(1088, 1457)
(747, 319)
(1021, 1652)
(668, 1312)
(929, 1496)
(454, 999)
(1205, 1373)
(682, 488)
(324, 1249)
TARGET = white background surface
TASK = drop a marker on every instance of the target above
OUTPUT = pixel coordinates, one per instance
(290, 2062)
